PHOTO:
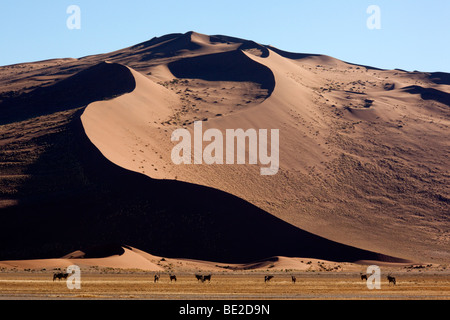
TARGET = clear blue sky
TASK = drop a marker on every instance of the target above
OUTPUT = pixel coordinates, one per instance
(414, 35)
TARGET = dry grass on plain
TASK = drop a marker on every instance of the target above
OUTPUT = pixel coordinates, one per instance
(241, 286)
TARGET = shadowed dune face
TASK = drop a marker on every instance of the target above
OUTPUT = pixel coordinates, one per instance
(370, 175)
(227, 66)
(100, 82)
(440, 77)
(429, 94)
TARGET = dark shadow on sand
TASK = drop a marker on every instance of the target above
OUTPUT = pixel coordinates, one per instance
(429, 94)
(440, 77)
(227, 66)
(99, 82)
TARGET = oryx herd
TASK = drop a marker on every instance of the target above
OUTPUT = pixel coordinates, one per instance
(203, 278)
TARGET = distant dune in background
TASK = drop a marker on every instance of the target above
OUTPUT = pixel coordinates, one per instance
(85, 156)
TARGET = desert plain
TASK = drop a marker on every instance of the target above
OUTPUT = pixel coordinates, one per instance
(124, 284)
(107, 279)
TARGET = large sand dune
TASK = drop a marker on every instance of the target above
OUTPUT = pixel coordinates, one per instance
(363, 156)
(126, 258)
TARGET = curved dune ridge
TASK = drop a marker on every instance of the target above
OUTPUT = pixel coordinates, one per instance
(356, 179)
(118, 205)
(288, 103)
(120, 127)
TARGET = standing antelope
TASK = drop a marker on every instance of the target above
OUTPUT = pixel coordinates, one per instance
(199, 277)
(206, 278)
(60, 276)
(391, 279)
